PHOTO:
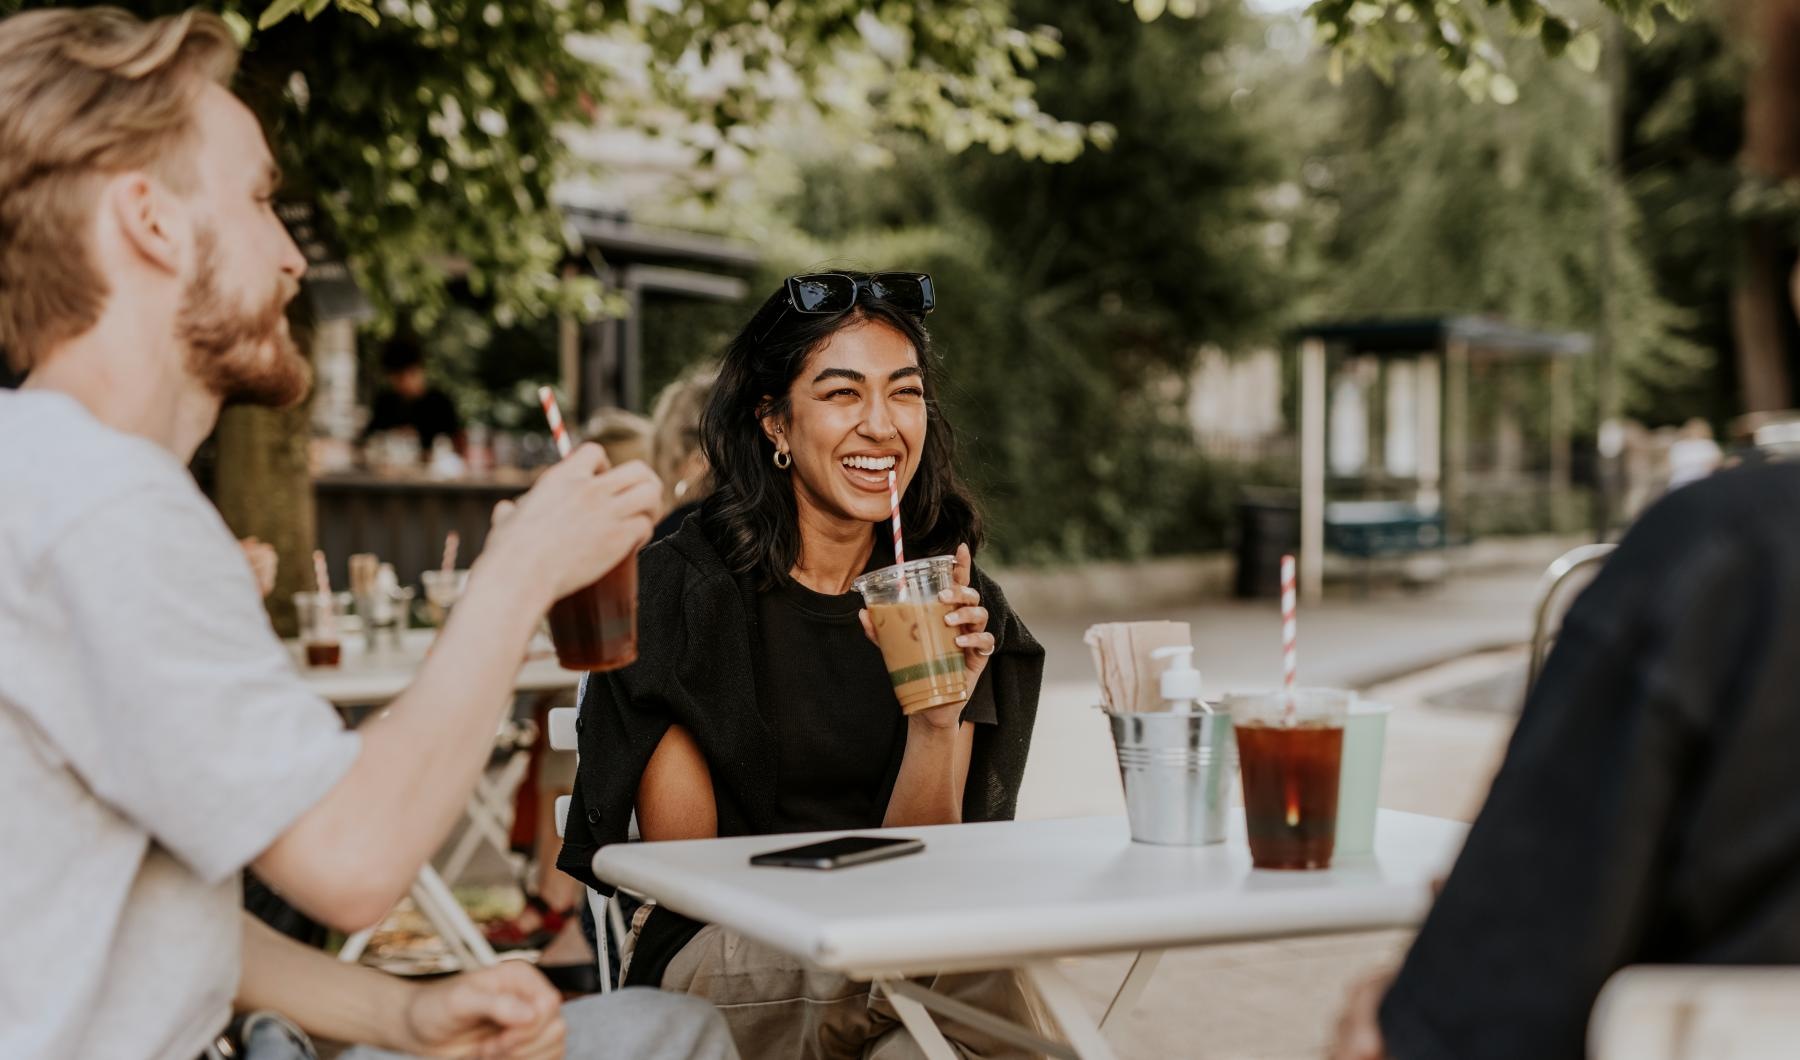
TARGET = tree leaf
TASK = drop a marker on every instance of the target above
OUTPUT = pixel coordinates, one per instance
(1502, 90)
(276, 11)
(1584, 51)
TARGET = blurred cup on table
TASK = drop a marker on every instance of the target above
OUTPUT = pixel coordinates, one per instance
(319, 629)
(443, 588)
(1359, 783)
(1290, 753)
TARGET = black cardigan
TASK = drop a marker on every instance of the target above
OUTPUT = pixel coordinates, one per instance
(694, 668)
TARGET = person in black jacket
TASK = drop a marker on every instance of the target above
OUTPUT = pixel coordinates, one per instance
(759, 704)
(1646, 812)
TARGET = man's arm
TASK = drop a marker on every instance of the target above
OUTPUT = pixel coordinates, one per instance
(350, 857)
(508, 1010)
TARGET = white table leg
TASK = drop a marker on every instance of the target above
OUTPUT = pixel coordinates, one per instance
(488, 815)
(353, 947)
(919, 1024)
(450, 919)
(959, 1011)
(1133, 987)
(1065, 1004)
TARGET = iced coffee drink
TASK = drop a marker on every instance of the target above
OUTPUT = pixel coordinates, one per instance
(919, 648)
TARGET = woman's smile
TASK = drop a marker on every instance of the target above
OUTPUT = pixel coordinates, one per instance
(869, 471)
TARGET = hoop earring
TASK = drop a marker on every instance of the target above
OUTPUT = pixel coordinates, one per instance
(782, 460)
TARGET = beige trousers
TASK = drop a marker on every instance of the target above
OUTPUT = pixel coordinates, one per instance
(779, 1008)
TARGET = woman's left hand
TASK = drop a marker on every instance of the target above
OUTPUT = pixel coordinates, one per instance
(970, 618)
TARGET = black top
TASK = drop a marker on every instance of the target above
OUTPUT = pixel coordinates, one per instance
(839, 732)
(1646, 811)
(431, 414)
(672, 521)
(704, 643)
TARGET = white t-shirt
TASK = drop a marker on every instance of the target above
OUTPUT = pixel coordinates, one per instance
(154, 739)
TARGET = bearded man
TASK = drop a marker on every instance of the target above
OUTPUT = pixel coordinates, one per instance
(154, 737)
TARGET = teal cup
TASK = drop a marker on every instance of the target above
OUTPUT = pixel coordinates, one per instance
(1359, 780)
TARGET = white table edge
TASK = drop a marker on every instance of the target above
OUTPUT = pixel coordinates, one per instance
(774, 925)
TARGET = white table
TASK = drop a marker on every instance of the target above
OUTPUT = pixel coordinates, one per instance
(374, 679)
(1018, 895)
(364, 679)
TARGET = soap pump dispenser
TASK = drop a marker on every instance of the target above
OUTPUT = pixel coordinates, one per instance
(1181, 682)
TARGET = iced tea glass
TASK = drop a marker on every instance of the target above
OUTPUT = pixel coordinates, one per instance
(595, 628)
(318, 614)
(1290, 751)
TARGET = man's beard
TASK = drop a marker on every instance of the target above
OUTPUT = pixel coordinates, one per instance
(244, 356)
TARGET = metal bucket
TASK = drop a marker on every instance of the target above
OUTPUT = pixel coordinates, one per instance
(1177, 769)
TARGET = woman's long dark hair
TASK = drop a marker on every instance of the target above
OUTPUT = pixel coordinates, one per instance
(751, 515)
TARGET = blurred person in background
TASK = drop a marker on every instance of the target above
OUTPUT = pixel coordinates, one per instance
(408, 402)
(1694, 454)
(625, 435)
(679, 459)
(155, 737)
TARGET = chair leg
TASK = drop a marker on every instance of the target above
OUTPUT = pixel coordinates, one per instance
(599, 904)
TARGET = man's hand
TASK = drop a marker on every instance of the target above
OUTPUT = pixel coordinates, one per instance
(509, 1010)
(579, 520)
(1359, 1026)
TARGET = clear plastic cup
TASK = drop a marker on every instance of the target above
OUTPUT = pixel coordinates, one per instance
(595, 628)
(443, 588)
(318, 615)
(1359, 786)
(1290, 753)
(920, 650)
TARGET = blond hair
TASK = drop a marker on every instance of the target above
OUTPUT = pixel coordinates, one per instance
(624, 435)
(88, 93)
(676, 420)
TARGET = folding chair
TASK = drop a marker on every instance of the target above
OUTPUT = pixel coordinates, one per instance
(606, 910)
(1556, 592)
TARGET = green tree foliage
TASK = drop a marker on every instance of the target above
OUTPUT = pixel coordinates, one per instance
(1460, 35)
(429, 129)
(1073, 298)
(1422, 202)
(1683, 133)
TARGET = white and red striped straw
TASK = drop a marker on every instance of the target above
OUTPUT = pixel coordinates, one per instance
(323, 578)
(894, 499)
(451, 541)
(548, 398)
(1290, 659)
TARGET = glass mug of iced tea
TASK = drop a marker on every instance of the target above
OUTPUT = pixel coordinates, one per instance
(595, 628)
(1290, 751)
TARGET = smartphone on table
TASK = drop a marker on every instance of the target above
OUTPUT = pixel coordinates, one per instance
(839, 853)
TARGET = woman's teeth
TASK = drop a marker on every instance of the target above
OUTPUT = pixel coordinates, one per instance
(870, 463)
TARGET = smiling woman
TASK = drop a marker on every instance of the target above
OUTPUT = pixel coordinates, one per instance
(828, 390)
(759, 703)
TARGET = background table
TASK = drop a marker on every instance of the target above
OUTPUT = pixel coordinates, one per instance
(1018, 894)
(373, 679)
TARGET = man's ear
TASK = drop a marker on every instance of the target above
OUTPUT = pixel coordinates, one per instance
(148, 219)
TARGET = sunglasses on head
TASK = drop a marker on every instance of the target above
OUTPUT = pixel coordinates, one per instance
(826, 293)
